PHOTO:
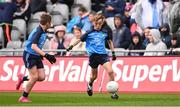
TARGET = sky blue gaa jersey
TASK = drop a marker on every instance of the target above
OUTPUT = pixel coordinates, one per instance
(37, 36)
(95, 42)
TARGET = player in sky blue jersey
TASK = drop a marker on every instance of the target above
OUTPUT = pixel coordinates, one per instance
(95, 47)
(33, 56)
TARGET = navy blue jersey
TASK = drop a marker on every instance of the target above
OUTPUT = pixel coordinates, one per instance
(37, 36)
(95, 42)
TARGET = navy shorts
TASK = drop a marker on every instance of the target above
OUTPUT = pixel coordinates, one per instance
(96, 59)
(31, 60)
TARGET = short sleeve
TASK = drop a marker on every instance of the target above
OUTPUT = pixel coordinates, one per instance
(108, 37)
(83, 37)
(36, 36)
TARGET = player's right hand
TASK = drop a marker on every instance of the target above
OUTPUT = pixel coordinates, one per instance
(69, 48)
(50, 58)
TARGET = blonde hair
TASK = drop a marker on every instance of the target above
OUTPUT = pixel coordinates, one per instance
(99, 18)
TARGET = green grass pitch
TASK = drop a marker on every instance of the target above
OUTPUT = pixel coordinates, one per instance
(98, 99)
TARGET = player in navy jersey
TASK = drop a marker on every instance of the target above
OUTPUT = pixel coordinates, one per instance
(33, 56)
(95, 47)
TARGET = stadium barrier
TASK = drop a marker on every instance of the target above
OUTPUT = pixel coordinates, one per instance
(70, 74)
(119, 51)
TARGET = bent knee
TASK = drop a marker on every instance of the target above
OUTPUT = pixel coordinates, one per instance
(94, 77)
(34, 77)
(111, 72)
(41, 78)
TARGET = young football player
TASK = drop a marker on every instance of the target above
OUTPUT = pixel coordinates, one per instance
(95, 47)
(33, 56)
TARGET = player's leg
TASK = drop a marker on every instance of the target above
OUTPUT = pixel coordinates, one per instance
(41, 74)
(108, 67)
(93, 62)
(41, 70)
(94, 73)
(33, 77)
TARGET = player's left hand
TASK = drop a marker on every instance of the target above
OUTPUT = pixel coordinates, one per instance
(113, 56)
(50, 58)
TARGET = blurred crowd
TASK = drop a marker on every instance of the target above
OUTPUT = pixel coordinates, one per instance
(151, 25)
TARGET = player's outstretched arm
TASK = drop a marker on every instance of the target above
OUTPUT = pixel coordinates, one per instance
(110, 43)
(50, 58)
(112, 49)
(74, 44)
